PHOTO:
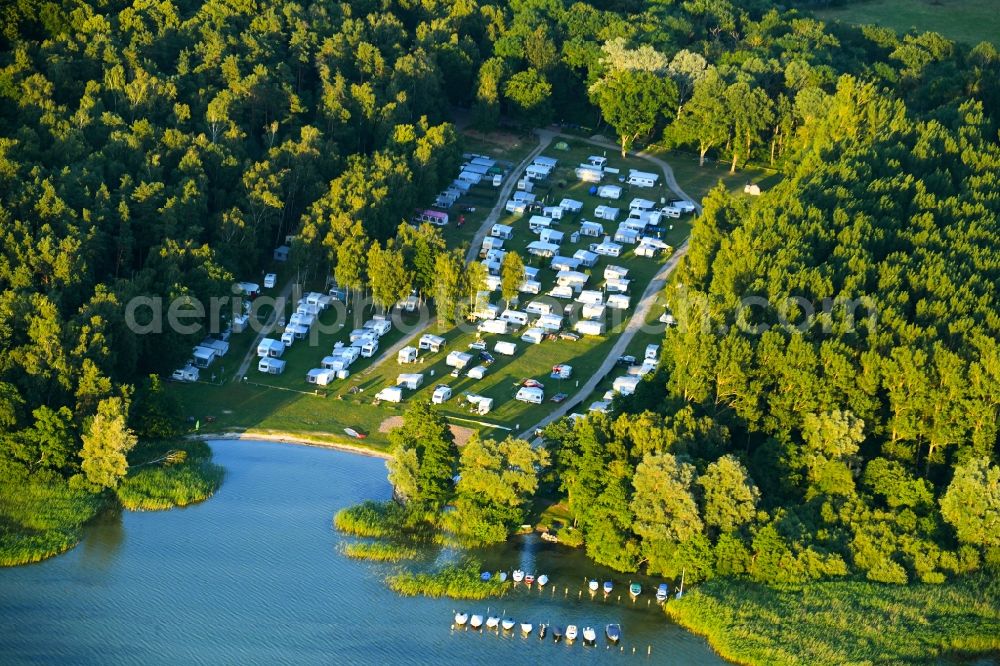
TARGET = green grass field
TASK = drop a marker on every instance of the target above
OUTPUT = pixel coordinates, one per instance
(968, 21)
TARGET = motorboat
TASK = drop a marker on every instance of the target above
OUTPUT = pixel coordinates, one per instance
(492, 622)
(502, 576)
(634, 590)
(543, 580)
(557, 633)
(614, 633)
(542, 630)
(518, 575)
(486, 575)
(589, 635)
(529, 579)
(507, 623)
(526, 628)
(571, 633)
(461, 618)
(662, 592)
(593, 586)
(608, 586)
(476, 621)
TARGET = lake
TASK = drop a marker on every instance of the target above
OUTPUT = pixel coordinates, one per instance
(255, 575)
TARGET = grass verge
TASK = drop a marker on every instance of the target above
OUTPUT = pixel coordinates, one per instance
(843, 622)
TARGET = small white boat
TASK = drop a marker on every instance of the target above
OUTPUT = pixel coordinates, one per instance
(634, 590)
(608, 586)
(593, 585)
(526, 628)
(571, 632)
(476, 621)
(507, 623)
(502, 576)
(492, 622)
(662, 592)
(589, 635)
(543, 629)
(543, 580)
(518, 575)
(461, 618)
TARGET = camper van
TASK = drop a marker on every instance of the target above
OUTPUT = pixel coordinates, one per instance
(411, 381)
(390, 394)
(188, 373)
(533, 335)
(530, 287)
(652, 352)
(432, 343)
(625, 385)
(407, 355)
(497, 326)
(561, 292)
(457, 359)
(505, 348)
(597, 161)
(606, 213)
(571, 205)
(530, 394)
(607, 249)
(609, 192)
(642, 178)
(538, 308)
(549, 322)
(369, 348)
(320, 377)
(588, 327)
(618, 302)
(270, 347)
(514, 317)
(441, 394)
(501, 231)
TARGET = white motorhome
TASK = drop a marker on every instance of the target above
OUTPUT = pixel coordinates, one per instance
(411, 381)
(441, 394)
(533, 335)
(538, 308)
(501, 231)
(432, 343)
(571, 205)
(505, 348)
(589, 327)
(609, 192)
(496, 326)
(369, 348)
(530, 394)
(618, 302)
(457, 359)
(514, 317)
(642, 178)
(550, 322)
(320, 376)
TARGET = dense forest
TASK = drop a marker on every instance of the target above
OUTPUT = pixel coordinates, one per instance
(165, 148)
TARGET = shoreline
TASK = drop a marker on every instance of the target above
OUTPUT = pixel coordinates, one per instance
(283, 437)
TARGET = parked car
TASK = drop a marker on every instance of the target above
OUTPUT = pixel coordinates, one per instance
(569, 335)
(270, 280)
(626, 360)
(478, 344)
(486, 357)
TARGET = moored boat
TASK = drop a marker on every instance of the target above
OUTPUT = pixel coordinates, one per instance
(634, 590)
(461, 618)
(543, 580)
(608, 586)
(486, 575)
(529, 579)
(589, 635)
(593, 586)
(557, 633)
(571, 633)
(614, 633)
(502, 576)
(476, 621)
(492, 622)
(662, 592)
(527, 628)
(542, 630)
(507, 623)
(518, 575)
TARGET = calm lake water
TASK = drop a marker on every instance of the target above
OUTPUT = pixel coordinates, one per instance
(254, 575)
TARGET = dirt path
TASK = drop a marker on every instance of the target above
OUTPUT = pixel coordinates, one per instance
(544, 139)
